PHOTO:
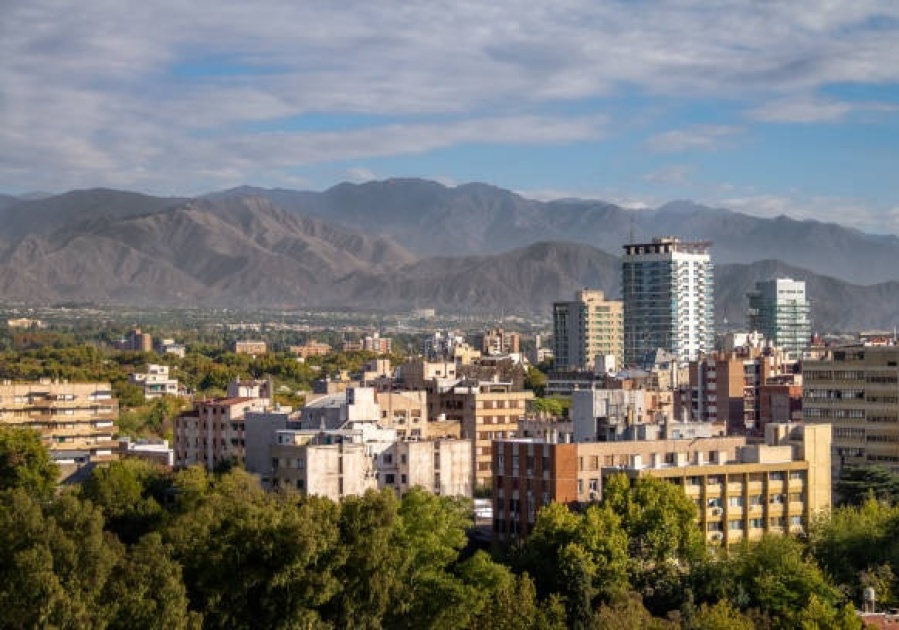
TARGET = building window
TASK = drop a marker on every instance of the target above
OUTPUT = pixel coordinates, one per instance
(735, 525)
(757, 523)
(389, 478)
(735, 501)
(403, 479)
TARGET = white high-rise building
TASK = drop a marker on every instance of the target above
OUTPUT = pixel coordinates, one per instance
(668, 294)
(780, 311)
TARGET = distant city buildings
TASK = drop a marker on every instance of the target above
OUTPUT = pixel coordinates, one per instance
(311, 348)
(136, 341)
(155, 382)
(250, 347)
(586, 328)
(76, 421)
(25, 323)
(499, 341)
(780, 311)
(668, 294)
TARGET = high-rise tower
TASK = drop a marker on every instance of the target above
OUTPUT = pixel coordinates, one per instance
(780, 311)
(668, 293)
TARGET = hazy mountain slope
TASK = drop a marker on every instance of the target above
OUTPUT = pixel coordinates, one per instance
(7, 201)
(826, 248)
(525, 280)
(237, 252)
(835, 305)
(474, 219)
(44, 216)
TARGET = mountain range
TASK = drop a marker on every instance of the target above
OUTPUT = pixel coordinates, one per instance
(404, 243)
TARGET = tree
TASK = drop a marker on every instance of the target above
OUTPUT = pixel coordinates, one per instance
(146, 590)
(503, 601)
(373, 579)
(580, 557)
(778, 580)
(25, 462)
(628, 613)
(431, 532)
(55, 560)
(252, 559)
(535, 380)
(720, 616)
(124, 491)
(857, 545)
(857, 484)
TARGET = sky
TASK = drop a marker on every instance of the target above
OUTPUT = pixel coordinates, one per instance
(767, 107)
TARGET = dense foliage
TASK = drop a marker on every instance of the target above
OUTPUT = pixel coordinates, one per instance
(137, 546)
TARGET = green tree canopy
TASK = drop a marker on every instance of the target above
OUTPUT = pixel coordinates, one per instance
(25, 462)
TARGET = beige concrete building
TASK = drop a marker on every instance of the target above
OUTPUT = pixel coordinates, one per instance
(856, 390)
(486, 411)
(741, 490)
(311, 348)
(337, 464)
(439, 466)
(406, 412)
(250, 347)
(588, 327)
(76, 421)
(334, 470)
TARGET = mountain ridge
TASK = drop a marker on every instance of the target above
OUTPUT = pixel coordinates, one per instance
(243, 248)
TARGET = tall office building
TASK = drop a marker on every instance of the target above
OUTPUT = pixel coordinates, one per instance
(588, 327)
(780, 311)
(856, 390)
(668, 291)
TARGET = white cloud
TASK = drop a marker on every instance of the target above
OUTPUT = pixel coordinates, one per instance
(844, 211)
(696, 137)
(801, 111)
(360, 174)
(125, 93)
(672, 174)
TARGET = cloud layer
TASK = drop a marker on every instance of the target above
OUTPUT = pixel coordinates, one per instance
(185, 97)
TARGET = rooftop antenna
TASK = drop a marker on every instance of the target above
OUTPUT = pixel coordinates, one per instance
(632, 227)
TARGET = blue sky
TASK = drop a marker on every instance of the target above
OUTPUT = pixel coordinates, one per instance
(763, 107)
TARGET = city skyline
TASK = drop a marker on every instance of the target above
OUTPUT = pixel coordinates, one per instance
(763, 108)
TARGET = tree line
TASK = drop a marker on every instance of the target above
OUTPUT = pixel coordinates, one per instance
(140, 546)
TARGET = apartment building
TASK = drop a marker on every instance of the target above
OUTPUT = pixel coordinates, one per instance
(311, 348)
(668, 293)
(76, 421)
(485, 411)
(499, 341)
(155, 382)
(741, 490)
(212, 432)
(856, 390)
(585, 328)
(780, 311)
(250, 347)
(726, 387)
(350, 461)
(377, 344)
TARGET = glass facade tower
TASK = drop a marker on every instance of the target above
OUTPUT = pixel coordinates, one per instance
(780, 311)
